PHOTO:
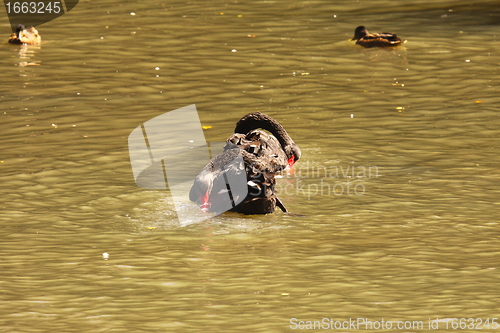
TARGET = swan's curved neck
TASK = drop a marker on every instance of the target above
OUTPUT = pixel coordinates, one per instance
(259, 120)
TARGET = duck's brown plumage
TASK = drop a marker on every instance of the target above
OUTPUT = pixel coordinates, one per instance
(264, 156)
(24, 35)
(366, 39)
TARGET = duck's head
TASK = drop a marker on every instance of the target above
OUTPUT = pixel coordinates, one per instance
(359, 33)
(20, 28)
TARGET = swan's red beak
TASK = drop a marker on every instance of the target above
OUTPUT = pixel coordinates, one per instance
(205, 204)
(291, 161)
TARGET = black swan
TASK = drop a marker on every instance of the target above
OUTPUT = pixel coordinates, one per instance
(366, 39)
(264, 156)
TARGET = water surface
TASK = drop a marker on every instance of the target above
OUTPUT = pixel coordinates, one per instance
(396, 192)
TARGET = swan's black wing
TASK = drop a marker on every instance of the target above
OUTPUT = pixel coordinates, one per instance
(222, 183)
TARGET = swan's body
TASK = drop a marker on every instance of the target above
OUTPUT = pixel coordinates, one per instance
(264, 156)
(24, 35)
(366, 39)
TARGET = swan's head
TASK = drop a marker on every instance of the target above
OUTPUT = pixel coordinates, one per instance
(293, 153)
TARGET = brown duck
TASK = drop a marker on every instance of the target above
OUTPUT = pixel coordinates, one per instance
(265, 155)
(24, 35)
(366, 39)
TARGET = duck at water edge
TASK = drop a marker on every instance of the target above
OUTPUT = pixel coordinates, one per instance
(24, 35)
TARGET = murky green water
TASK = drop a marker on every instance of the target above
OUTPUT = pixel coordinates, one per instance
(398, 183)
